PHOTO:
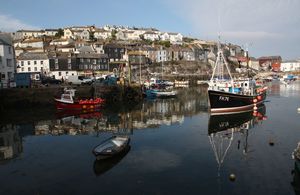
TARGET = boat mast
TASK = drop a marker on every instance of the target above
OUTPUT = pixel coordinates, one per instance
(162, 64)
(140, 66)
(220, 61)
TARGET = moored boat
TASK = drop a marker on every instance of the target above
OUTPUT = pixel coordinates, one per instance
(228, 95)
(67, 101)
(153, 93)
(111, 147)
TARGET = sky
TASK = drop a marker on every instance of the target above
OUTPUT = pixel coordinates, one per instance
(264, 27)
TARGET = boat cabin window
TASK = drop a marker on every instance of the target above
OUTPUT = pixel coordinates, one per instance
(68, 97)
(245, 84)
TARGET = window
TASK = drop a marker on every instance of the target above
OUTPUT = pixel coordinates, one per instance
(29, 69)
(85, 66)
(9, 50)
(35, 69)
(28, 62)
(2, 76)
(0, 59)
(59, 73)
(56, 66)
(9, 62)
(56, 61)
(94, 61)
(81, 60)
(22, 69)
(34, 62)
(69, 60)
(69, 66)
(42, 62)
(22, 63)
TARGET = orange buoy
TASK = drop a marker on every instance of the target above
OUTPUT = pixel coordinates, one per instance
(259, 97)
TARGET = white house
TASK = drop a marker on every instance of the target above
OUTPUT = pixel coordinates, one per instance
(61, 41)
(33, 43)
(161, 55)
(151, 35)
(68, 33)
(174, 38)
(98, 47)
(33, 63)
(51, 32)
(102, 34)
(20, 34)
(84, 35)
(290, 66)
(7, 61)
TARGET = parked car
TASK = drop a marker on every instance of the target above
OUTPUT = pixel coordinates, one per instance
(78, 80)
(50, 80)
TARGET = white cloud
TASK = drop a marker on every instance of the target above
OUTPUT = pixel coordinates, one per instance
(254, 35)
(10, 24)
(262, 22)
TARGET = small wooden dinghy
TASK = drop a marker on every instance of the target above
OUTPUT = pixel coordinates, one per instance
(111, 147)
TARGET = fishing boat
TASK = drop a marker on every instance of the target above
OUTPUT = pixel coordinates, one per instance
(160, 93)
(67, 101)
(111, 147)
(228, 95)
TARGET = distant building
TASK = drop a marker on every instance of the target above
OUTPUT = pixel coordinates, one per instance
(7, 61)
(114, 51)
(102, 34)
(62, 65)
(270, 62)
(66, 64)
(287, 66)
(34, 63)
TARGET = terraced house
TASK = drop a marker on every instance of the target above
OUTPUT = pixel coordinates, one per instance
(7, 61)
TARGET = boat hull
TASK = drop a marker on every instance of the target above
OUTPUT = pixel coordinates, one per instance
(223, 122)
(226, 102)
(77, 105)
(160, 94)
(107, 149)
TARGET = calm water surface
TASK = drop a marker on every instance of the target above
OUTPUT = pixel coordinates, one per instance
(176, 148)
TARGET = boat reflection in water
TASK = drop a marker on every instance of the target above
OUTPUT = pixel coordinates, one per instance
(223, 128)
(296, 177)
(101, 166)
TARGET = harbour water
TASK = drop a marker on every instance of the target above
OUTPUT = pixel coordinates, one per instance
(176, 147)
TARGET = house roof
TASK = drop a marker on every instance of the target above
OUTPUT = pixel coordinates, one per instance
(5, 39)
(91, 55)
(30, 30)
(51, 29)
(2, 42)
(59, 40)
(86, 49)
(33, 56)
(151, 33)
(270, 58)
(32, 40)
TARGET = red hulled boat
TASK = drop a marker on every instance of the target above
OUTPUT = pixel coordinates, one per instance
(67, 101)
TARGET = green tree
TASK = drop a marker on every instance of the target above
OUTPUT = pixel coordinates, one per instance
(59, 33)
(113, 34)
(92, 36)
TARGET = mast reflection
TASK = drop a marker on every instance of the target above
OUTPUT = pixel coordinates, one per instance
(223, 128)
